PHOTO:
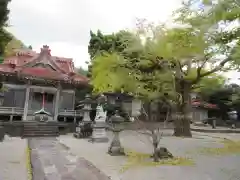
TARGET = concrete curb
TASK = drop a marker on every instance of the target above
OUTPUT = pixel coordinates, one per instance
(216, 130)
(29, 163)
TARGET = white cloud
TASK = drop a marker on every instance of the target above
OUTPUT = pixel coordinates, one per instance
(64, 25)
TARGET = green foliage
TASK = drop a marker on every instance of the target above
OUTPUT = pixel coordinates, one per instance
(221, 21)
(107, 75)
(210, 84)
(4, 11)
(188, 54)
(100, 43)
(137, 159)
(12, 45)
(5, 37)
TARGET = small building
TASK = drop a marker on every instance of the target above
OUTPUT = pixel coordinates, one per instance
(126, 102)
(200, 108)
(157, 111)
(38, 83)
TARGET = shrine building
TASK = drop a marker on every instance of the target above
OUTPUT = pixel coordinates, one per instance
(39, 83)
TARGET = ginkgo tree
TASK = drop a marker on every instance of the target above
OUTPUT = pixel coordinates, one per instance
(159, 60)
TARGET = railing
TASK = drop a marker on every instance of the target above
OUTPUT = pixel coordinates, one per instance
(74, 113)
(19, 111)
(11, 111)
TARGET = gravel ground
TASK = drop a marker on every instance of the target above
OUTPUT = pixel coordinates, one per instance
(207, 167)
(13, 159)
(53, 161)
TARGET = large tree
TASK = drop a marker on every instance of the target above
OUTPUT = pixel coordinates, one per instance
(176, 58)
(100, 43)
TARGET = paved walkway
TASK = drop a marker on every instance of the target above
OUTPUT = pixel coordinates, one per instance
(208, 167)
(13, 159)
(53, 161)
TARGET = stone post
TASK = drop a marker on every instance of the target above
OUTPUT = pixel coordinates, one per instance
(214, 124)
(25, 112)
(57, 103)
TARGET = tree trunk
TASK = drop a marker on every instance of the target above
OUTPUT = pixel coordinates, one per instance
(155, 147)
(183, 110)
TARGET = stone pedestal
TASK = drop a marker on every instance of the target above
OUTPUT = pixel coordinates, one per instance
(99, 133)
(115, 148)
(99, 127)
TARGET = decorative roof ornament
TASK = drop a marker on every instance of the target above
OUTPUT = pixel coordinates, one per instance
(45, 48)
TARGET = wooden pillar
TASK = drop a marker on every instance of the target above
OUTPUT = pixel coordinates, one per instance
(57, 103)
(25, 112)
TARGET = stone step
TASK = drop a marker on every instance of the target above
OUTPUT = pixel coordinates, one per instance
(39, 135)
(40, 129)
(40, 132)
(40, 124)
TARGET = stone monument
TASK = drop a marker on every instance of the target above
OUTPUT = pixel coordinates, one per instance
(99, 126)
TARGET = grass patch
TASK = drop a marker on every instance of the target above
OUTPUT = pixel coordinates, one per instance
(229, 147)
(136, 159)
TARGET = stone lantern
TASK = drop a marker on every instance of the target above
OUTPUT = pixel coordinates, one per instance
(84, 127)
(233, 118)
(115, 148)
(87, 108)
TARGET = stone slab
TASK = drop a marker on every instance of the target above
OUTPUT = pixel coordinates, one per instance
(53, 161)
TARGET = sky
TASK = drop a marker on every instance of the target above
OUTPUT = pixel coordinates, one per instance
(64, 25)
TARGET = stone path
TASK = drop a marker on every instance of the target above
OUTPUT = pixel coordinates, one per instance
(53, 161)
(13, 159)
(208, 167)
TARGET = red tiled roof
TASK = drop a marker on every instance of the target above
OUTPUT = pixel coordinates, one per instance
(204, 104)
(64, 67)
(43, 73)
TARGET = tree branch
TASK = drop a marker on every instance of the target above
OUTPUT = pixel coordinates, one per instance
(200, 67)
(218, 68)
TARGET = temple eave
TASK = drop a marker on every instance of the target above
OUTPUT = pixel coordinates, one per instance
(44, 79)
